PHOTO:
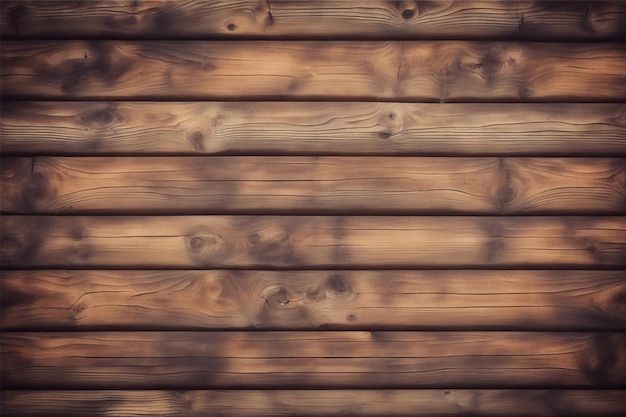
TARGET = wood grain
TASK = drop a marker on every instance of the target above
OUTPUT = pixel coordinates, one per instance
(307, 241)
(199, 360)
(278, 128)
(445, 71)
(373, 403)
(174, 300)
(312, 185)
(531, 20)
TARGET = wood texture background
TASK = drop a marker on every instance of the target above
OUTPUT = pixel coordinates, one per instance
(373, 208)
(451, 71)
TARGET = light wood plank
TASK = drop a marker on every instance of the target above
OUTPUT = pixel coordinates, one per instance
(312, 185)
(170, 300)
(342, 70)
(536, 20)
(188, 360)
(308, 241)
(278, 128)
(374, 403)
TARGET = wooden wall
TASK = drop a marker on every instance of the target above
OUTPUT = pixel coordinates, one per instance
(250, 208)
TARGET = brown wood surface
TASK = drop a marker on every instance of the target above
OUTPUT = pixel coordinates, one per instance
(269, 207)
(313, 185)
(170, 300)
(196, 360)
(343, 70)
(373, 403)
(537, 20)
(309, 241)
(278, 128)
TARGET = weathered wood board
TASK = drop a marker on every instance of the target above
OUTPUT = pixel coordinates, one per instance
(315, 128)
(179, 19)
(313, 208)
(373, 403)
(431, 71)
(339, 299)
(196, 360)
(312, 242)
(293, 185)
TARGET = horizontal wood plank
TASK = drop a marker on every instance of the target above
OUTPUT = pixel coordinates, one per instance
(374, 403)
(312, 185)
(309, 241)
(279, 128)
(188, 360)
(171, 19)
(342, 70)
(171, 300)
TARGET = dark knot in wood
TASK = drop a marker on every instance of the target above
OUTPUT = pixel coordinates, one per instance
(338, 284)
(603, 361)
(36, 192)
(204, 244)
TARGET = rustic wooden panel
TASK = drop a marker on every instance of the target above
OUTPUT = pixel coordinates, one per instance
(300, 241)
(162, 300)
(320, 185)
(424, 402)
(278, 128)
(187, 360)
(538, 20)
(414, 71)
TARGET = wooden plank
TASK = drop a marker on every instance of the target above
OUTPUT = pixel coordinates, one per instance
(308, 241)
(341, 70)
(200, 360)
(174, 300)
(312, 185)
(172, 19)
(278, 128)
(374, 403)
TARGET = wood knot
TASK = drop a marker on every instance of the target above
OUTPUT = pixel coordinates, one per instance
(36, 193)
(253, 239)
(385, 134)
(279, 298)
(505, 195)
(282, 296)
(338, 284)
(408, 14)
(603, 361)
(273, 249)
(351, 317)
(231, 27)
(99, 119)
(202, 243)
(505, 191)
(78, 308)
(313, 295)
(197, 141)
(183, 399)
